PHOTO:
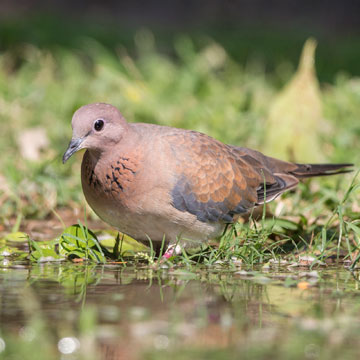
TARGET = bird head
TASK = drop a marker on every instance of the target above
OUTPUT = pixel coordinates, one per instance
(95, 127)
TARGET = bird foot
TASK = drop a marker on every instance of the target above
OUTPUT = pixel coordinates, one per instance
(172, 250)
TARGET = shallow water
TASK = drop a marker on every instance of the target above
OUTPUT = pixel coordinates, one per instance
(74, 311)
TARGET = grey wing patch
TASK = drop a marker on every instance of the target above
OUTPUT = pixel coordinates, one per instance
(184, 199)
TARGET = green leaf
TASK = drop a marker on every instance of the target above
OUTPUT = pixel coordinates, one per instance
(279, 225)
(18, 237)
(127, 245)
(77, 240)
(43, 251)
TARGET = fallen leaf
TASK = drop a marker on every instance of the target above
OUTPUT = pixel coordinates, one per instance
(303, 285)
(4, 186)
(308, 260)
(31, 142)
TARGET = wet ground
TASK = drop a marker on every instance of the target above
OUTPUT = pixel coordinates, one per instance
(77, 311)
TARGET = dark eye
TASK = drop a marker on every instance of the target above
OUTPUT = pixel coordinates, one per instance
(98, 124)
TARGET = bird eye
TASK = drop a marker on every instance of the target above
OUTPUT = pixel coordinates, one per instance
(98, 124)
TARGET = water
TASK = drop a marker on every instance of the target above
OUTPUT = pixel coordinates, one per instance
(74, 311)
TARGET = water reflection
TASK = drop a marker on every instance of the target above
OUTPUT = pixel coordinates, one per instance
(113, 312)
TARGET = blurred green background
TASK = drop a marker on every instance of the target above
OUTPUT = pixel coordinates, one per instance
(278, 76)
(226, 68)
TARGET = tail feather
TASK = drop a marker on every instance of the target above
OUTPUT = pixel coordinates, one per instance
(310, 170)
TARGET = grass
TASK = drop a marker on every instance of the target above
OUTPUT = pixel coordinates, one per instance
(197, 87)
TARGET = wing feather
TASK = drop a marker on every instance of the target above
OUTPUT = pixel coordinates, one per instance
(217, 181)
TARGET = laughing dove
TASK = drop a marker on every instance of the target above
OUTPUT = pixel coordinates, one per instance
(157, 182)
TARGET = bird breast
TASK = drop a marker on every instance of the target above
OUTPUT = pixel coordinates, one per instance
(108, 184)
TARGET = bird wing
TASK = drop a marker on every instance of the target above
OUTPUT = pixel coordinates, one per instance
(215, 181)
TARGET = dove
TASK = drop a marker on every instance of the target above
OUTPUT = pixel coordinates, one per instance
(174, 185)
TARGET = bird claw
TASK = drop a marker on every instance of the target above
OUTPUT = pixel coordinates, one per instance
(172, 250)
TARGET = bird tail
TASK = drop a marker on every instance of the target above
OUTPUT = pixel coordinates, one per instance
(310, 170)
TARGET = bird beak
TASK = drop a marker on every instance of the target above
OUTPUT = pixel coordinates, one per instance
(74, 146)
